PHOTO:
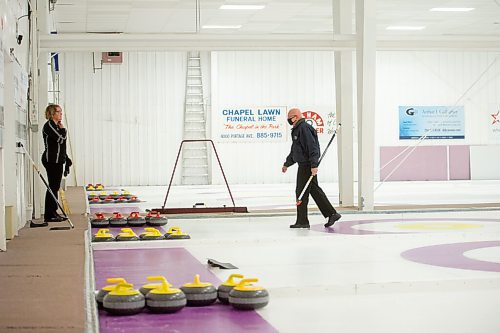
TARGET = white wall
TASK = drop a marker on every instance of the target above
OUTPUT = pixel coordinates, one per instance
(12, 166)
(125, 121)
(293, 79)
(437, 78)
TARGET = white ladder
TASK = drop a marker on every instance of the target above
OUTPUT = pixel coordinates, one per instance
(194, 155)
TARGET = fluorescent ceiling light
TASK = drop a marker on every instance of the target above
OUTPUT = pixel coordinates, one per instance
(451, 9)
(221, 26)
(404, 27)
(248, 7)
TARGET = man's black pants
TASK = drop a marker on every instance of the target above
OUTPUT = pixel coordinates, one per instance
(324, 205)
(54, 175)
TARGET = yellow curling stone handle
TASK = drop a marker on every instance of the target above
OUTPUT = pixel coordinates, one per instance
(152, 232)
(103, 233)
(124, 289)
(127, 232)
(245, 285)
(230, 280)
(196, 283)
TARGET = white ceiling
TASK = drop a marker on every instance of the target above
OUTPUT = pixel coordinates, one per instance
(278, 17)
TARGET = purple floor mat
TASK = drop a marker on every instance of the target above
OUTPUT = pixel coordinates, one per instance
(179, 267)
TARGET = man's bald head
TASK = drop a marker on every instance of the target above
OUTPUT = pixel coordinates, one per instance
(295, 112)
(294, 115)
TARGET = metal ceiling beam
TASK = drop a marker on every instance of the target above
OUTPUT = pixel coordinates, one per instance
(184, 42)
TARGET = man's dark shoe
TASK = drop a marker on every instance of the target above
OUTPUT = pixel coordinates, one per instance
(299, 226)
(38, 225)
(332, 219)
(54, 219)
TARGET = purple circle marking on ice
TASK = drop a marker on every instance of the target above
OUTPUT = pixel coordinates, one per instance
(347, 227)
(452, 256)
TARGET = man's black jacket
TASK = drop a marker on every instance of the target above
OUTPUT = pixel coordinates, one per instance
(305, 146)
(54, 139)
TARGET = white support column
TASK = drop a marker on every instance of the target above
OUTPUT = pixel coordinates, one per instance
(365, 70)
(33, 144)
(342, 21)
(40, 79)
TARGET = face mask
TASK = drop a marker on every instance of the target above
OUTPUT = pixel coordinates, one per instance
(290, 121)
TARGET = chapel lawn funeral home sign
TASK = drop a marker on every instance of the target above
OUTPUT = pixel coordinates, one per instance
(252, 124)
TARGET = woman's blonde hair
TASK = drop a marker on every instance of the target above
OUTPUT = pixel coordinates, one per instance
(50, 110)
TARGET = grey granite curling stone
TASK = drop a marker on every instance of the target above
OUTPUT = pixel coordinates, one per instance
(127, 234)
(176, 234)
(102, 235)
(248, 297)
(151, 234)
(165, 299)
(199, 293)
(124, 300)
(135, 219)
(155, 219)
(117, 220)
(99, 221)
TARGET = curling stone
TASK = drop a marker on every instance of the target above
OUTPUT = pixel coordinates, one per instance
(171, 230)
(226, 287)
(95, 200)
(165, 299)
(90, 187)
(245, 296)
(146, 288)
(151, 234)
(114, 195)
(126, 194)
(99, 187)
(133, 199)
(102, 235)
(177, 234)
(199, 293)
(108, 200)
(135, 219)
(124, 300)
(127, 234)
(92, 196)
(106, 289)
(103, 195)
(99, 221)
(117, 220)
(121, 199)
(155, 219)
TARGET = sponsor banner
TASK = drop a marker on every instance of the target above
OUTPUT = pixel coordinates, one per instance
(251, 124)
(433, 122)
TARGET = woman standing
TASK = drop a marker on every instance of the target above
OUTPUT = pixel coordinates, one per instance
(53, 159)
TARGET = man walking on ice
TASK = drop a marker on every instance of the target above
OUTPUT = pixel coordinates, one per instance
(305, 152)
